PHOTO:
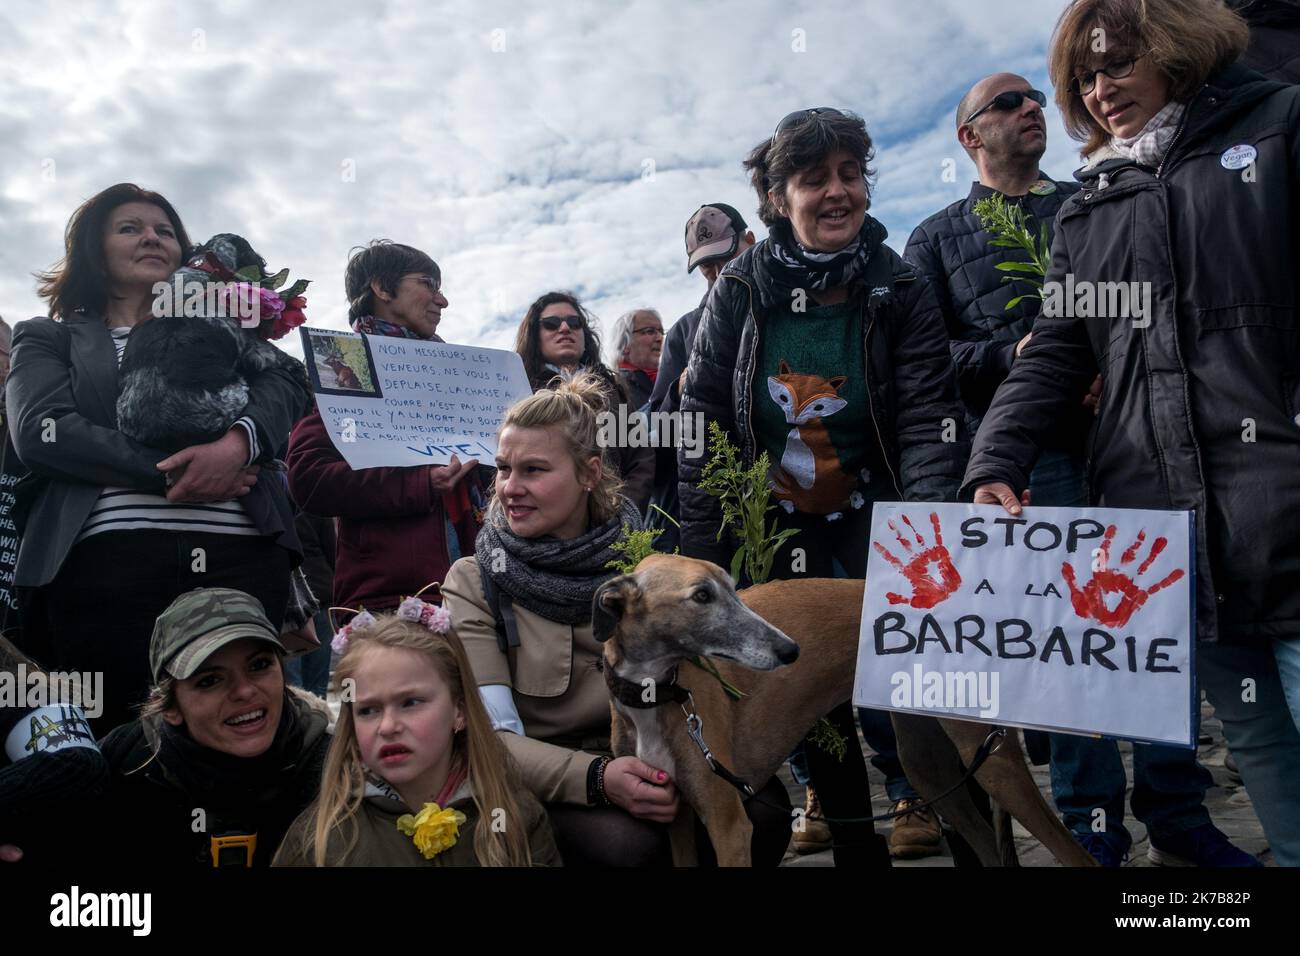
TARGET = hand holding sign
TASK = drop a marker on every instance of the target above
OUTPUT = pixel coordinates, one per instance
(926, 591)
(1090, 600)
(443, 478)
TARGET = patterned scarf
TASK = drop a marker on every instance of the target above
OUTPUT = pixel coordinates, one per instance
(373, 325)
(793, 267)
(552, 578)
(1149, 146)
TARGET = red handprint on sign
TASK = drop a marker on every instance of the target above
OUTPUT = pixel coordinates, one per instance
(926, 590)
(1090, 601)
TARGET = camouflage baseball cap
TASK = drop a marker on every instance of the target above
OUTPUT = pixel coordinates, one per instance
(201, 622)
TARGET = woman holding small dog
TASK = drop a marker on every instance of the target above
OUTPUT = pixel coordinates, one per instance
(114, 530)
(822, 348)
(522, 608)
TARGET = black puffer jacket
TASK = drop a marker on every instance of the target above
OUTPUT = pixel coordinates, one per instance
(1200, 409)
(952, 250)
(153, 800)
(911, 383)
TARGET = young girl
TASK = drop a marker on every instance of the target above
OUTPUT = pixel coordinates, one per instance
(415, 775)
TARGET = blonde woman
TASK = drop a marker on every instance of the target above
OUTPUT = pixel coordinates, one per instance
(522, 605)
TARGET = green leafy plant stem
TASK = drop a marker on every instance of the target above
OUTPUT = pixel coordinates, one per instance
(1010, 227)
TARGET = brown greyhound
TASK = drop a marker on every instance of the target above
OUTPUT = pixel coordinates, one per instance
(672, 608)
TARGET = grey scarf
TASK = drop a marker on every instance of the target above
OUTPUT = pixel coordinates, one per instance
(552, 578)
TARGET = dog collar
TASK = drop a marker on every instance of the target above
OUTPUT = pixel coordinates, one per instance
(645, 695)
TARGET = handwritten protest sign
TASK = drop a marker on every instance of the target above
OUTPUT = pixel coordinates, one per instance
(394, 402)
(11, 469)
(1072, 619)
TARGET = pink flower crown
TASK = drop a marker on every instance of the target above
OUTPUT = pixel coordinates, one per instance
(432, 616)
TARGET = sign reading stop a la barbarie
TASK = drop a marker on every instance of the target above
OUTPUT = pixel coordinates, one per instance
(1064, 619)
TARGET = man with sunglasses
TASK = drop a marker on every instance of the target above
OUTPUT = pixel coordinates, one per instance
(1000, 125)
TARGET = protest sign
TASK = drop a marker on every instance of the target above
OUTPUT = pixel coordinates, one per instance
(389, 401)
(1069, 619)
(11, 470)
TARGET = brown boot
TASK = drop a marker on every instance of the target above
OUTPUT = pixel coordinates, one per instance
(915, 834)
(816, 834)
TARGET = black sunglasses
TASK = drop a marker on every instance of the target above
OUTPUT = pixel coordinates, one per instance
(1008, 101)
(798, 116)
(552, 323)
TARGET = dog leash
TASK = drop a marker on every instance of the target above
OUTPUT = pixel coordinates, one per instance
(695, 728)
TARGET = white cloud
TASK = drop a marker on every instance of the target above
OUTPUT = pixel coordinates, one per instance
(518, 169)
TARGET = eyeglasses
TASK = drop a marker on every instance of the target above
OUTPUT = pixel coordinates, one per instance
(1115, 69)
(798, 116)
(1008, 101)
(650, 330)
(552, 323)
(425, 279)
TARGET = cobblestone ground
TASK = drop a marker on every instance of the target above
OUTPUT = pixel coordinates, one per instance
(1227, 802)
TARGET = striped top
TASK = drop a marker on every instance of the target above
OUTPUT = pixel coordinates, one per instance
(124, 509)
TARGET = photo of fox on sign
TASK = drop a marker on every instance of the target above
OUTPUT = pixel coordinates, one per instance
(1065, 619)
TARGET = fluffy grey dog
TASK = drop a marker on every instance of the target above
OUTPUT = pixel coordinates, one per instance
(184, 379)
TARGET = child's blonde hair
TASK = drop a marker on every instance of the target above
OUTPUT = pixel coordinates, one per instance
(477, 749)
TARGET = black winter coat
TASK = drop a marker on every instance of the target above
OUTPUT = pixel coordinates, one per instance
(1200, 409)
(912, 386)
(952, 250)
(1274, 37)
(666, 397)
(152, 800)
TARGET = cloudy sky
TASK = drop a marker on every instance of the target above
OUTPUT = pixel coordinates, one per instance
(525, 146)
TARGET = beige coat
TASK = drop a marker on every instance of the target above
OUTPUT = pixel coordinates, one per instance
(560, 695)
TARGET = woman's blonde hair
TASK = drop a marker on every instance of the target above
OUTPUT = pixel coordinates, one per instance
(477, 749)
(572, 408)
(1187, 40)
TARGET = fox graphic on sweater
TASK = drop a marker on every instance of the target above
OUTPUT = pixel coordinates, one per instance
(809, 477)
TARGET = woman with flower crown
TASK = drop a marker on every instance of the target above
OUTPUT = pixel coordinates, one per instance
(414, 775)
